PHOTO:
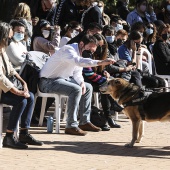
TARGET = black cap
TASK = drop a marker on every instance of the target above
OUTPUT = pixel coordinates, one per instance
(44, 22)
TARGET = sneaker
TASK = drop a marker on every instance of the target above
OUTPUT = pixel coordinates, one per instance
(12, 142)
(28, 139)
(90, 127)
(75, 131)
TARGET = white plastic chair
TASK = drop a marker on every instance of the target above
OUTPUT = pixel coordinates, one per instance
(139, 59)
(165, 77)
(57, 112)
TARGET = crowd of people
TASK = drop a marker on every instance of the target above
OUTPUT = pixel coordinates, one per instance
(86, 48)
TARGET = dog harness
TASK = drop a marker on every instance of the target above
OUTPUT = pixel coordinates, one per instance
(139, 98)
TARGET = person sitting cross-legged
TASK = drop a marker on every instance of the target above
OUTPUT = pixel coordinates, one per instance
(21, 99)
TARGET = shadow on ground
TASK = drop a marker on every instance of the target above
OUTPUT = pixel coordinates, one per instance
(109, 148)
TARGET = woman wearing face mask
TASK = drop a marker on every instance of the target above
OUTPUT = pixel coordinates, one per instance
(22, 12)
(16, 50)
(161, 51)
(70, 31)
(143, 13)
(150, 36)
(45, 38)
(97, 76)
(116, 22)
(105, 17)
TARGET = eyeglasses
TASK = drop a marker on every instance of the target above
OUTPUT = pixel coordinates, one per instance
(150, 27)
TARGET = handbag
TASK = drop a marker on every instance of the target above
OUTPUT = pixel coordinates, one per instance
(12, 78)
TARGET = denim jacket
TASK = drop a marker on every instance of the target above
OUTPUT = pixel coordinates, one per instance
(135, 17)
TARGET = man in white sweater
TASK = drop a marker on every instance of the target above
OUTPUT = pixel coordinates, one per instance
(62, 74)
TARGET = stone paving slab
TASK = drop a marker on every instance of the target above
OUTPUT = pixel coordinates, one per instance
(95, 151)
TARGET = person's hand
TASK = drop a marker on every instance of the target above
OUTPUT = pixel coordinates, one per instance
(130, 67)
(133, 45)
(83, 86)
(25, 87)
(17, 92)
(106, 74)
(57, 28)
(26, 95)
(106, 61)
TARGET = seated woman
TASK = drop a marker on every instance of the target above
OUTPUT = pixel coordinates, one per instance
(46, 38)
(23, 13)
(96, 78)
(150, 36)
(70, 31)
(128, 51)
(16, 50)
(161, 51)
(21, 100)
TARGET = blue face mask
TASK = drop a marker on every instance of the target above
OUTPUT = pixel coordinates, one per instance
(110, 39)
(149, 31)
(18, 36)
(118, 27)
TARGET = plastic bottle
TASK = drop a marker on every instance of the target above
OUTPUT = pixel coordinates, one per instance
(50, 123)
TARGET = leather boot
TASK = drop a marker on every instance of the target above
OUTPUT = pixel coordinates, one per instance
(112, 123)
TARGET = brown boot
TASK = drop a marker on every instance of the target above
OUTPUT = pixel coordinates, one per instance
(75, 131)
(90, 127)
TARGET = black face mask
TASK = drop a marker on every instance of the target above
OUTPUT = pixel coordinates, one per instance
(119, 42)
(165, 36)
(99, 50)
(87, 54)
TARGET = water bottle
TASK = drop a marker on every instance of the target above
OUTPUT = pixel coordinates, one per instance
(50, 124)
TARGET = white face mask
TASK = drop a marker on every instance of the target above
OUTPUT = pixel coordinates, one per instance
(101, 9)
(118, 27)
(149, 31)
(143, 8)
(74, 33)
(46, 33)
(168, 8)
(110, 39)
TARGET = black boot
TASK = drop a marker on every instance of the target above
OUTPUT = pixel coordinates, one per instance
(10, 141)
(115, 106)
(105, 128)
(28, 139)
(112, 123)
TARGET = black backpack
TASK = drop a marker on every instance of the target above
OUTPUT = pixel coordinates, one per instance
(97, 117)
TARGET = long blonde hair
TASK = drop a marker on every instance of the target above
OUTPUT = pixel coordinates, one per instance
(22, 11)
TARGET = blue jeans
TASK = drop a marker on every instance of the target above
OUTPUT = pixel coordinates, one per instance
(76, 101)
(22, 107)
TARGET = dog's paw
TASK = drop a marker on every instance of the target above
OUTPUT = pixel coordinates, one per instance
(128, 145)
(138, 141)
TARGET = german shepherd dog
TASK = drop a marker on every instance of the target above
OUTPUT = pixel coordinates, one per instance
(156, 107)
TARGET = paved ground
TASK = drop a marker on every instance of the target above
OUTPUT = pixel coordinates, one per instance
(96, 151)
